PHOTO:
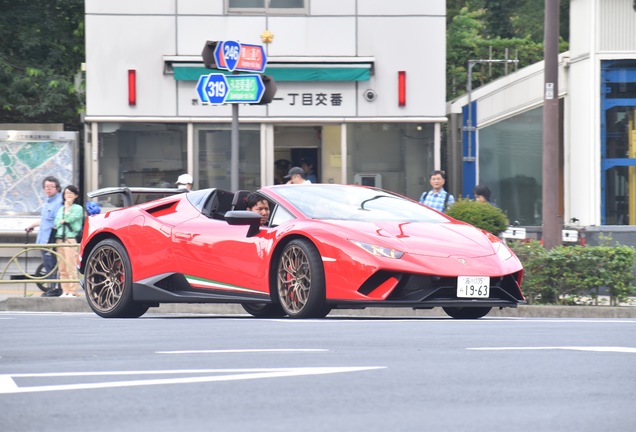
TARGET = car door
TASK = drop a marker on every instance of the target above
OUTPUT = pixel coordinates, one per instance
(215, 255)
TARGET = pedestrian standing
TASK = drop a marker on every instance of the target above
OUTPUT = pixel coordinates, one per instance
(51, 206)
(68, 224)
(437, 197)
(185, 182)
(482, 193)
(296, 175)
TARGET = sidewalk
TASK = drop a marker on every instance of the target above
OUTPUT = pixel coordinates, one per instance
(18, 297)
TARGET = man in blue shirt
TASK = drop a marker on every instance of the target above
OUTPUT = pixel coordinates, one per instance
(437, 198)
(51, 206)
(308, 166)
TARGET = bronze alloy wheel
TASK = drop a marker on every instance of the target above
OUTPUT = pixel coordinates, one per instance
(108, 282)
(301, 281)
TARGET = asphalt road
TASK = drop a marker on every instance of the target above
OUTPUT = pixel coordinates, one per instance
(77, 372)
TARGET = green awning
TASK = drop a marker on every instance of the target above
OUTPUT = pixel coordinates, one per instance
(356, 73)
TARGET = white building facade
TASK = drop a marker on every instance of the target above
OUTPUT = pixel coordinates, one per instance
(360, 92)
(597, 155)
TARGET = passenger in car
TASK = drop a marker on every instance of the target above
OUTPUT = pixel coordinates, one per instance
(256, 203)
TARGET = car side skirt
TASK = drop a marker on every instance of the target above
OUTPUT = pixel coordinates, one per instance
(175, 288)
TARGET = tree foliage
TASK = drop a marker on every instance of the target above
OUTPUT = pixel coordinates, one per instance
(41, 51)
(495, 29)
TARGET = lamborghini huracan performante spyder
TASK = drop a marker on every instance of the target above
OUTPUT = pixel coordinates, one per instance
(324, 247)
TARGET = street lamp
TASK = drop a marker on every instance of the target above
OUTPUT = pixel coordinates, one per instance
(469, 89)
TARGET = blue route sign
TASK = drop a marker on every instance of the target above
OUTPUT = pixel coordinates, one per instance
(215, 89)
(203, 97)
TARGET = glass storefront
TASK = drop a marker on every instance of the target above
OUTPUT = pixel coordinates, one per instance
(510, 164)
(394, 156)
(398, 156)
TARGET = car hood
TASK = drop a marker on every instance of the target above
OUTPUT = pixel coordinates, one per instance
(420, 238)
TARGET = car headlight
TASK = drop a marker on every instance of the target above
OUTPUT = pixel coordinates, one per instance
(379, 251)
(503, 252)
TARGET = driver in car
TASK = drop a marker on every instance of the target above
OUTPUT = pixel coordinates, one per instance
(256, 203)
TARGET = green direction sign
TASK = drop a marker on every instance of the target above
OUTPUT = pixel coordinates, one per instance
(244, 88)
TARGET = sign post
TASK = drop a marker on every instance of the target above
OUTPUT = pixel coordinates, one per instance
(218, 89)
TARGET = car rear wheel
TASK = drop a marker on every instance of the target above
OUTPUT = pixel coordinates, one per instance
(467, 312)
(301, 281)
(108, 282)
(264, 310)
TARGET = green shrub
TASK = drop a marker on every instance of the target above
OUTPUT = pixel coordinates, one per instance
(566, 272)
(482, 215)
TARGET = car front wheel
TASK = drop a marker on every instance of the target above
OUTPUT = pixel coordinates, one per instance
(108, 282)
(264, 310)
(301, 281)
(467, 312)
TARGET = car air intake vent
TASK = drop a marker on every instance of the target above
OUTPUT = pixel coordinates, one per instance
(376, 280)
(162, 209)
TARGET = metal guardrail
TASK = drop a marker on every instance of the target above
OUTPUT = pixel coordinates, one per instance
(22, 271)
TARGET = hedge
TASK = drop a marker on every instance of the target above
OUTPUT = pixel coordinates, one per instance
(565, 273)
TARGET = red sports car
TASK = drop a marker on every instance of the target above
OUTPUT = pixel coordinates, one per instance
(324, 246)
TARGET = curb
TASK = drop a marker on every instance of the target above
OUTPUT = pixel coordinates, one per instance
(39, 304)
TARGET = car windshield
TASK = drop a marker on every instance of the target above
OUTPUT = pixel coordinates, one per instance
(355, 203)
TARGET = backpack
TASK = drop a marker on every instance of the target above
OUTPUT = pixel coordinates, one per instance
(445, 199)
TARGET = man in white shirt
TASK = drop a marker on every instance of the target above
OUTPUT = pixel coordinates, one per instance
(296, 175)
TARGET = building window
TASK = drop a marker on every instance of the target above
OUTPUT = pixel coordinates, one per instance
(618, 142)
(265, 6)
(213, 147)
(138, 154)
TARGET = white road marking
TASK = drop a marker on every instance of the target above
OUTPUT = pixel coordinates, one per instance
(241, 351)
(8, 384)
(567, 348)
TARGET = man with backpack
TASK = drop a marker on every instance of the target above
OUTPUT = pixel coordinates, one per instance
(437, 198)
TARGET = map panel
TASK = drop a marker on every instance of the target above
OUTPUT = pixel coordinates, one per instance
(24, 165)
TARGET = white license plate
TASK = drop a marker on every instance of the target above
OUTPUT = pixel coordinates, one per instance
(473, 286)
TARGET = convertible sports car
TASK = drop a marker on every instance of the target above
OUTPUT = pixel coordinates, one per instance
(325, 246)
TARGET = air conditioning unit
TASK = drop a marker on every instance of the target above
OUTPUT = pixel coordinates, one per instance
(368, 180)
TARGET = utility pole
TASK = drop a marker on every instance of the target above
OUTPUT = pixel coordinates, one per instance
(552, 223)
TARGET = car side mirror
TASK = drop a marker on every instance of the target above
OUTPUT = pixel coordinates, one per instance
(244, 217)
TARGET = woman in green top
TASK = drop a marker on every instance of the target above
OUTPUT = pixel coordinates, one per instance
(68, 224)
